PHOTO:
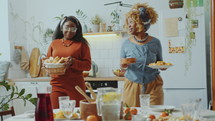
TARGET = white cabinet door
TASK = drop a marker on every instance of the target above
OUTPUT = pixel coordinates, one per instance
(179, 96)
(120, 84)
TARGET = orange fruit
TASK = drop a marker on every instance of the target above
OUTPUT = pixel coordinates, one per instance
(152, 117)
(133, 111)
(91, 118)
(127, 116)
(164, 114)
(126, 110)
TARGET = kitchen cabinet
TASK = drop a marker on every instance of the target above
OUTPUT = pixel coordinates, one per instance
(113, 33)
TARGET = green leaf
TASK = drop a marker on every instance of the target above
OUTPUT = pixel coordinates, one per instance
(28, 96)
(5, 107)
(13, 89)
(6, 85)
(126, 105)
(33, 100)
(21, 92)
(24, 100)
(16, 88)
(12, 94)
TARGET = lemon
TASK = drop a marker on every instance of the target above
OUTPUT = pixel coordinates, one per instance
(111, 96)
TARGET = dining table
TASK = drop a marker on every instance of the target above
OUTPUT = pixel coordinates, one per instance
(208, 115)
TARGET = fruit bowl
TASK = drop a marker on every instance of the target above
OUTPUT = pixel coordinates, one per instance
(118, 72)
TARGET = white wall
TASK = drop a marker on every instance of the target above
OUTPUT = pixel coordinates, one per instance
(29, 19)
(4, 41)
(17, 33)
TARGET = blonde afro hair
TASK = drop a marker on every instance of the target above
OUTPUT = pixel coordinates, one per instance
(134, 14)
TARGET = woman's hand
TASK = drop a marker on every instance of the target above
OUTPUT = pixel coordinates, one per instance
(124, 66)
(69, 62)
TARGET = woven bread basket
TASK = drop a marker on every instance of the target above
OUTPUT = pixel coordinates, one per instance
(55, 69)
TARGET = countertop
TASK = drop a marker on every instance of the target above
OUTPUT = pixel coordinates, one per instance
(47, 79)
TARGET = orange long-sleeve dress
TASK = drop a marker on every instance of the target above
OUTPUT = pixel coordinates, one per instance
(63, 85)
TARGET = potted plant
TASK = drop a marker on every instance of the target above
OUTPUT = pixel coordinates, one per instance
(14, 94)
(115, 20)
(59, 17)
(82, 16)
(49, 33)
(96, 20)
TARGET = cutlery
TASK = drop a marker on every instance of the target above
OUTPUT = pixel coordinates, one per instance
(89, 87)
(84, 94)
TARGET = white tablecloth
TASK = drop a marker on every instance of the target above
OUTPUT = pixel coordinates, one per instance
(30, 116)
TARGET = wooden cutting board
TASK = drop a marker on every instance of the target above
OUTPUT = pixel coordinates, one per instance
(34, 65)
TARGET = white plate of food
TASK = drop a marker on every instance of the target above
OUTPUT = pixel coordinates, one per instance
(209, 117)
(58, 115)
(161, 108)
(159, 67)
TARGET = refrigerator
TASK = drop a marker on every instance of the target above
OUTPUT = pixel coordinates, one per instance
(182, 35)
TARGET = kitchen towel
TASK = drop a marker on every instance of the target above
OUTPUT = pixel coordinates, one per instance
(17, 55)
(24, 64)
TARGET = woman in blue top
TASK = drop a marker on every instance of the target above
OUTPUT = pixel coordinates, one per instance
(141, 79)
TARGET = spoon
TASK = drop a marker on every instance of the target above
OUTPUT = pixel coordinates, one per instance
(84, 94)
(89, 87)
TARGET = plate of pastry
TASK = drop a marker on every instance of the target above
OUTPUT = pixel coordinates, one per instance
(59, 116)
(160, 65)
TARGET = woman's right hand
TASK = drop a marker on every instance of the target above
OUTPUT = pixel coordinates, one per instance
(69, 62)
(124, 66)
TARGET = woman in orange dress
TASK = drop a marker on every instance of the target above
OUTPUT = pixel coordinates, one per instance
(68, 41)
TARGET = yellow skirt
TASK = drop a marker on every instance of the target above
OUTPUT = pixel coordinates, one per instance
(132, 91)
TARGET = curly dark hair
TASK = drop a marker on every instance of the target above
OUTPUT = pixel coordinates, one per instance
(134, 13)
(58, 34)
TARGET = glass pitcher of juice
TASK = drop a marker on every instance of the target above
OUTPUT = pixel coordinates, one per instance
(109, 103)
(43, 110)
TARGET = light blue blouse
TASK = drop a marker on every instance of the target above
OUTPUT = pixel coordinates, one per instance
(145, 54)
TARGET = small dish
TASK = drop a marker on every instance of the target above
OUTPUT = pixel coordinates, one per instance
(161, 108)
(118, 72)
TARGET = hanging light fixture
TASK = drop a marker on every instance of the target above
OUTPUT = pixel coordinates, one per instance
(120, 4)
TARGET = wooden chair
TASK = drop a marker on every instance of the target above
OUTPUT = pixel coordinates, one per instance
(8, 112)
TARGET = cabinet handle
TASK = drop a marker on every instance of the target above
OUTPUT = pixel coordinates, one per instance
(33, 82)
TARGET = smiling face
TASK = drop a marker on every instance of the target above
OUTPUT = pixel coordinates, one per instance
(69, 30)
(132, 28)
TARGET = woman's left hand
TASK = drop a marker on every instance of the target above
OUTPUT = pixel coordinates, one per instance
(69, 62)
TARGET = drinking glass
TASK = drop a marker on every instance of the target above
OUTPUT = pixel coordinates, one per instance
(145, 103)
(109, 103)
(189, 110)
(68, 107)
(62, 98)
